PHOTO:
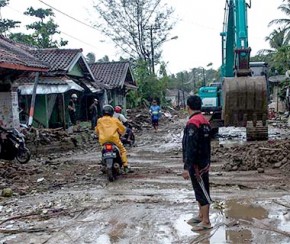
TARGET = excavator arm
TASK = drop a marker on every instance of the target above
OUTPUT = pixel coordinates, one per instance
(244, 95)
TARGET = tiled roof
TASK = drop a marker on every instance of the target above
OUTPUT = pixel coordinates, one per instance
(42, 80)
(13, 56)
(59, 59)
(113, 74)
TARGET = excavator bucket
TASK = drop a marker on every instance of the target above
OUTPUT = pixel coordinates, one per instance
(245, 105)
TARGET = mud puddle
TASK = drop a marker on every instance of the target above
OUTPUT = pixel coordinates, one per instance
(237, 135)
(153, 210)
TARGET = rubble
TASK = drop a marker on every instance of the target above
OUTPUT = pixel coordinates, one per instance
(7, 192)
(254, 156)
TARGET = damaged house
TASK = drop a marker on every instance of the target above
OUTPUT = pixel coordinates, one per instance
(117, 78)
(69, 74)
(14, 62)
(48, 77)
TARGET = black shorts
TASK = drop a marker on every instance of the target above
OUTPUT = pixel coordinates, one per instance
(155, 122)
(199, 195)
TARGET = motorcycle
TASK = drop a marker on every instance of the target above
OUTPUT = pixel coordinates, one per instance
(12, 146)
(111, 161)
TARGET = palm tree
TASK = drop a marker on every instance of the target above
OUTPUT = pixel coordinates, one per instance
(285, 8)
(277, 39)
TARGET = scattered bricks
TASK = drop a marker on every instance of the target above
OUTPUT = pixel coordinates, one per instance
(7, 192)
(277, 165)
(261, 170)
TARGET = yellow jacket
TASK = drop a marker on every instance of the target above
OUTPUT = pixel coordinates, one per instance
(109, 129)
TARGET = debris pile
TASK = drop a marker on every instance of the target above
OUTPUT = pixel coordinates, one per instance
(255, 156)
(141, 119)
(51, 140)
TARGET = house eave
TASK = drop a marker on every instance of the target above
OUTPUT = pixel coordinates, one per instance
(22, 67)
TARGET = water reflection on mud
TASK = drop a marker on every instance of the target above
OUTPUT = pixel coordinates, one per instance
(237, 135)
(244, 210)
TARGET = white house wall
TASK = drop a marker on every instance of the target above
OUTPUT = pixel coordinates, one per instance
(9, 114)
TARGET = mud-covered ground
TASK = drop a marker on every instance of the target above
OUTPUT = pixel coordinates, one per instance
(62, 197)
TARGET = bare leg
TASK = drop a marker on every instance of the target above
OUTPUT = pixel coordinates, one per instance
(199, 213)
(205, 214)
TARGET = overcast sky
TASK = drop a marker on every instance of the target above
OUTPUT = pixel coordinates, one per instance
(198, 42)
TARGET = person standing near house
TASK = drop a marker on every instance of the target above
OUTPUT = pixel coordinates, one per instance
(155, 112)
(94, 111)
(72, 109)
(196, 150)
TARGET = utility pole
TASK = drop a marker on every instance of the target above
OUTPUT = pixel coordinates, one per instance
(152, 50)
(152, 59)
(194, 80)
(203, 73)
(183, 97)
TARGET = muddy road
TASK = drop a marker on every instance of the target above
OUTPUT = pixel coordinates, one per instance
(64, 198)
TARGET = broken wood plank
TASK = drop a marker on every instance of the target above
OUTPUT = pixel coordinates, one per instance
(270, 149)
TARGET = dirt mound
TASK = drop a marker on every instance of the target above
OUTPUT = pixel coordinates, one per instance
(140, 118)
(255, 156)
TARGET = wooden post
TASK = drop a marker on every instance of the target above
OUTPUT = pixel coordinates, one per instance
(32, 105)
(63, 111)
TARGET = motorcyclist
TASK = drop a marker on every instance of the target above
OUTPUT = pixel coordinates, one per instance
(109, 129)
(118, 114)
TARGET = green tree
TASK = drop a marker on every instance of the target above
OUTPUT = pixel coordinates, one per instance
(149, 85)
(285, 8)
(6, 24)
(137, 27)
(277, 39)
(276, 56)
(43, 31)
(104, 59)
(91, 58)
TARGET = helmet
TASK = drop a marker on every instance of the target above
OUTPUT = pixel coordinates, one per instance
(118, 109)
(108, 110)
(74, 96)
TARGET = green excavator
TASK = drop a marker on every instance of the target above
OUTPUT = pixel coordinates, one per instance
(243, 98)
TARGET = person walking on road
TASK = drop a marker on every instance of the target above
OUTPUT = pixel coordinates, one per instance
(196, 157)
(94, 113)
(155, 112)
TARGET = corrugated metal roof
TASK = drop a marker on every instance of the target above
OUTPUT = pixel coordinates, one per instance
(50, 88)
(91, 87)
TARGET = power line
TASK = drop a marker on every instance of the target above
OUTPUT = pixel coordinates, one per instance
(67, 15)
(75, 38)
(88, 44)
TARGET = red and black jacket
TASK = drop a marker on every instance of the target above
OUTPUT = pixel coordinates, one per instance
(196, 143)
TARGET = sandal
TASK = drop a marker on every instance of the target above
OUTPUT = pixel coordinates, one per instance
(201, 226)
(194, 220)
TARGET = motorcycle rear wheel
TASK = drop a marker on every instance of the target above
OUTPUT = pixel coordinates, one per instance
(23, 155)
(110, 175)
